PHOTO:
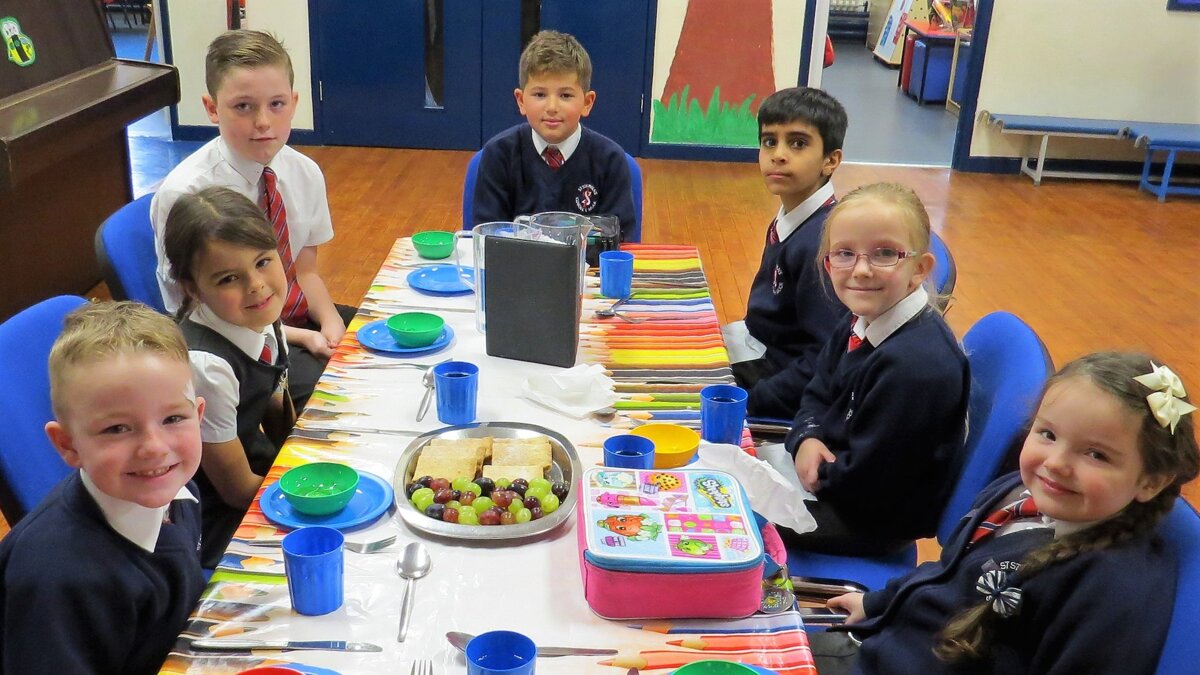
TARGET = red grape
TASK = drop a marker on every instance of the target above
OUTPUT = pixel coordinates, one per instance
(508, 518)
(439, 484)
(443, 495)
(502, 498)
(450, 515)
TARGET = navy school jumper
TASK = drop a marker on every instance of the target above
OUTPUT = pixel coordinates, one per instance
(1102, 612)
(792, 310)
(76, 597)
(895, 417)
(514, 180)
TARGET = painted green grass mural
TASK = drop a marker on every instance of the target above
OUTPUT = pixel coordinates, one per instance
(681, 120)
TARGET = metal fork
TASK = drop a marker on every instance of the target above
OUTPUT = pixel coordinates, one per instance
(371, 546)
(422, 667)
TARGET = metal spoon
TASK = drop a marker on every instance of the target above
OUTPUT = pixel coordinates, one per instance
(459, 641)
(412, 565)
(427, 380)
(612, 311)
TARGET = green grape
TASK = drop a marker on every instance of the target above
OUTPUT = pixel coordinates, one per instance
(482, 504)
(460, 483)
(515, 506)
(550, 504)
(539, 491)
(503, 483)
(467, 516)
(422, 499)
(535, 482)
(453, 504)
(524, 515)
(471, 486)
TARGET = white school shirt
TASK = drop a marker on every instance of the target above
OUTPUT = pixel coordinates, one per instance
(137, 523)
(300, 182)
(743, 346)
(567, 147)
(890, 321)
(214, 377)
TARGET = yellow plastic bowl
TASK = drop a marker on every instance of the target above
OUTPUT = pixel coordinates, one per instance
(674, 445)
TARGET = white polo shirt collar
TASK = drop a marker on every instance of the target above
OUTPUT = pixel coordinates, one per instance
(567, 147)
(787, 223)
(890, 321)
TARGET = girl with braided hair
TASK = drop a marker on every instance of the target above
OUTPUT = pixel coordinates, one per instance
(1057, 568)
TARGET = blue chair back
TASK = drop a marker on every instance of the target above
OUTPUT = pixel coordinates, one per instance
(468, 202)
(1181, 530)
(635, 181)
(944, 272)
(125, 251)
(468, 198)
(1009, 366)
(29, 464)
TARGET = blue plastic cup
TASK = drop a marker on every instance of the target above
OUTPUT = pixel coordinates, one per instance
(315, 567)
(501, 651)
(722, 413)
(616, 274)
(629, 452)
(457, 384)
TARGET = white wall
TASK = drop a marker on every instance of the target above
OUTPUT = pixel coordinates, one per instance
(1102, 59)
(194, 24)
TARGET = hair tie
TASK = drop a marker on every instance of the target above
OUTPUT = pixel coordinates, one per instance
(993, 586)
(1166, 399)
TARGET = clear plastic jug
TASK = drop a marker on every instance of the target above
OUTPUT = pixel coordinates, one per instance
(478, 234)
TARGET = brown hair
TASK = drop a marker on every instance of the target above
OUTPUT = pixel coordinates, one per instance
(1163, 453)
(243, 49)
(553, 52)
(99, 330)
(212, 214)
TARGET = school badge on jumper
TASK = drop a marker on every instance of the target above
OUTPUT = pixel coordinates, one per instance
(777, 281)
(587, 198)
(17, 44)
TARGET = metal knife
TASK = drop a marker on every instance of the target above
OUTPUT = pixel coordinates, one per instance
(239, 645)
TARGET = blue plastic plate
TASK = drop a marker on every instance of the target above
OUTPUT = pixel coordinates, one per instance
(442, 279)
(370, 500)
(375, 336)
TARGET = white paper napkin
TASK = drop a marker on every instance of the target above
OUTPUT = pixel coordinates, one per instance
(772, 495)
(575, 391)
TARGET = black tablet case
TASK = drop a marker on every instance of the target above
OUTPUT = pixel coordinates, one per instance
(531, 300)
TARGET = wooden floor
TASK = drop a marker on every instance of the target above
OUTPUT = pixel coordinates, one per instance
(1088, 264)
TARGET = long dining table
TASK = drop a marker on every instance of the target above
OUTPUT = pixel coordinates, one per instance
(363, 413)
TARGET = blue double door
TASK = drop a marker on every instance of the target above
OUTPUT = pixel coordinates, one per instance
(441, 73)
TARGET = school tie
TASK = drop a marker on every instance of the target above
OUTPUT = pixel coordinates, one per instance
(773, 233)
(553, 156)
(855, 341)
(295, 307)
(1022, 508)
(267, 356)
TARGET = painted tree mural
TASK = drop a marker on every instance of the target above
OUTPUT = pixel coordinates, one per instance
(722, 70)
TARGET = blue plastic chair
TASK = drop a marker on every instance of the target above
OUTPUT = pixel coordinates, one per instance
(29, 464)
(125, 251)
(468, 199)
(944, 272)
(1181, 651)
(1009, 366)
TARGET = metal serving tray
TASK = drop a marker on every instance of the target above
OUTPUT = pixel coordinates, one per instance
(565, 467)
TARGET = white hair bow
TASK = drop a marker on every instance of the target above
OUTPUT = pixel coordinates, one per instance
(1166, 401)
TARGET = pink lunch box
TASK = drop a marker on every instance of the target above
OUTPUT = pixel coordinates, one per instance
(669, 544)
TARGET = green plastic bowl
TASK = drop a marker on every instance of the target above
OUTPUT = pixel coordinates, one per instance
(415, 329)
(320, 488)
(434, 244)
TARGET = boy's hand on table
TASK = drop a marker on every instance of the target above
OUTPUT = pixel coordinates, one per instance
(852, 603)
(811, 454)
(316, 343)
(333, 331)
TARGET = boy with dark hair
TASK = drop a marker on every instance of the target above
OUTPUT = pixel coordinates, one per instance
(792, 310)
(251, 99)
(100, 577)
(551, 162)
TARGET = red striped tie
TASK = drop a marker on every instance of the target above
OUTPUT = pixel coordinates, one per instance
(295, 308)
(1022, 508)
(266, 356)
(773, 233)
(553, 156)
(855, 341)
